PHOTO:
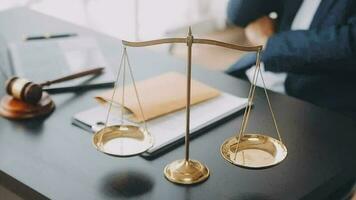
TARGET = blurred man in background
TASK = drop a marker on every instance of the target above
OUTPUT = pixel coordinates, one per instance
(309, 48)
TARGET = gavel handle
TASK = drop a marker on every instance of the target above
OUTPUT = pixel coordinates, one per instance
(97, 70)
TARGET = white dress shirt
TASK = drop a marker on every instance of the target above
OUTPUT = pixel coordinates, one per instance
(302, 21)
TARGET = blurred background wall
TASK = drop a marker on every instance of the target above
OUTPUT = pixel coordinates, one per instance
(131, 19)
(150, 19)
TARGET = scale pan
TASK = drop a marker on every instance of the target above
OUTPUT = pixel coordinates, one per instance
(254, 151)
(122, 140)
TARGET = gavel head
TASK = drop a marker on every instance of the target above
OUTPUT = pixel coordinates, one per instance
(24, 90)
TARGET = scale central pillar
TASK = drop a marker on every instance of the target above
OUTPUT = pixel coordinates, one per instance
(187, 171)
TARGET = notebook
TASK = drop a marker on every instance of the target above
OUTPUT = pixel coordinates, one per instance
(169, 128)
(43, 60)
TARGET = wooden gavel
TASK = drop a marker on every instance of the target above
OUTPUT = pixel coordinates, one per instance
(30, 92)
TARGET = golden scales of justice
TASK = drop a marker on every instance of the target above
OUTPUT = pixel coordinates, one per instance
(243, 149)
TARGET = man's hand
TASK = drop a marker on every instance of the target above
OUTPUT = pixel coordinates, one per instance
(258, 31)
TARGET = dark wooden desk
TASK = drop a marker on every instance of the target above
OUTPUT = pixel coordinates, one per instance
(54, 159)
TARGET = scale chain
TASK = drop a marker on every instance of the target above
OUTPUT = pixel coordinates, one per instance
(113, 94)
(123, 89)
(114, 91)
(254, 83)
(249, 103)
(125, 61)
(136, 92)
(248, 109)
(270, 107)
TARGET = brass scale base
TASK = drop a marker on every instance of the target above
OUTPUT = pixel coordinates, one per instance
(186, 172)
(246, 150)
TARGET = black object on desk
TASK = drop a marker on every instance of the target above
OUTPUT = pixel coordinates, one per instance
(49, 36)
(53, 159)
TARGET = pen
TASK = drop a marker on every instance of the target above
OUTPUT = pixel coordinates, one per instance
(49, 36)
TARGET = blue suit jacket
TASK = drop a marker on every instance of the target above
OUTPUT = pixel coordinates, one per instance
(321, 61)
